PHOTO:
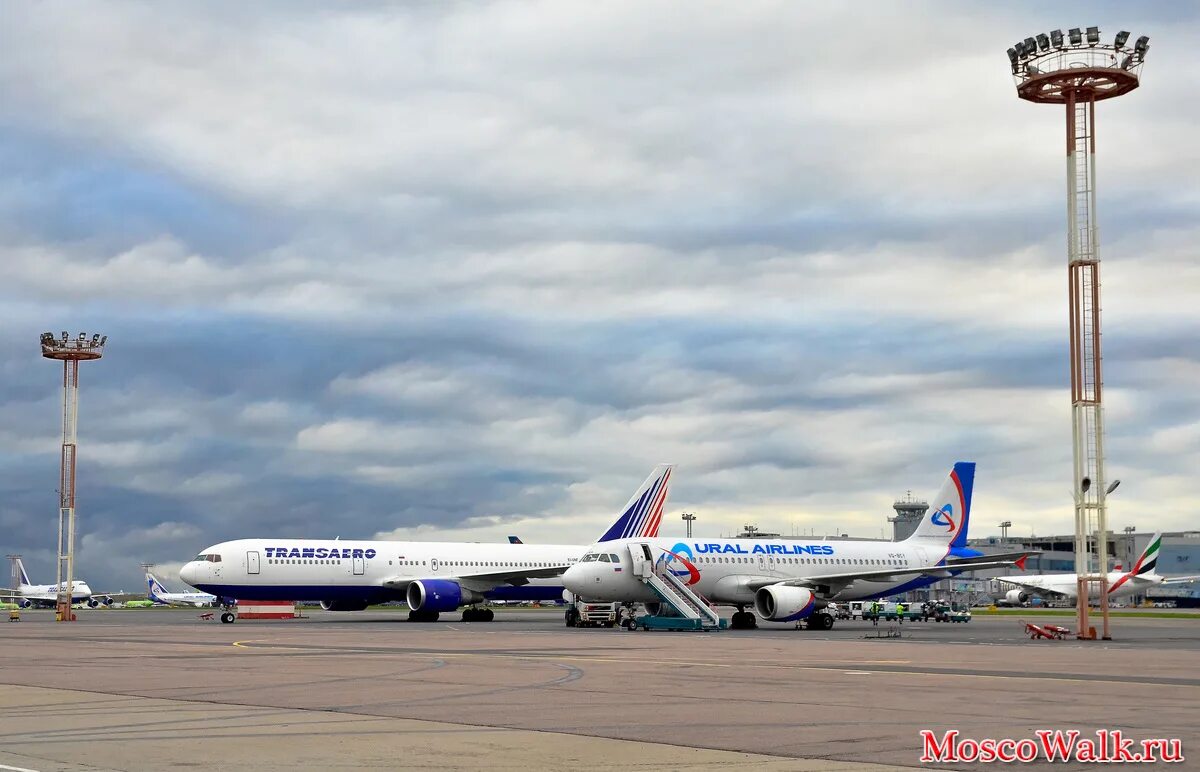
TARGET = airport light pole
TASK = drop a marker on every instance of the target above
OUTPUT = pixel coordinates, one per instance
(70, 351)
(1004, 526)
(1077, 71)
(688, 518)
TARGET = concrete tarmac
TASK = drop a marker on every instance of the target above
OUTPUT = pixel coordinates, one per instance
(155, 689)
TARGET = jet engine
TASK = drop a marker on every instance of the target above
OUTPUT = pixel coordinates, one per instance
(1016, 597)
(343, 605)
(26, 603)
(93, 603)
(779, 603)
(436, 595)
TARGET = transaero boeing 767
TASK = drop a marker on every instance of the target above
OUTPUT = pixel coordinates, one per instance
(432, 577)
(787, 580)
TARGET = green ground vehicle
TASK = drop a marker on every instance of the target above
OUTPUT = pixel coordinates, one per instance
(888, 612)
(951, 612)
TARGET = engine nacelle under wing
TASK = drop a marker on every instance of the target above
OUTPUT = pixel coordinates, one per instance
(780, 603)
(439, 595)
(343, 605)
(1016, 597)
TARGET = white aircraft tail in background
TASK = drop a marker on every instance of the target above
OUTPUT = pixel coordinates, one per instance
(160, 595)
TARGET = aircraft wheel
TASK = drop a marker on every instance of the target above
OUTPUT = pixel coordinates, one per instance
(227, 617)
(487, 616)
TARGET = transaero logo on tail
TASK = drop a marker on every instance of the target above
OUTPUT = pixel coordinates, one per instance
(944, 516)
(318, 552)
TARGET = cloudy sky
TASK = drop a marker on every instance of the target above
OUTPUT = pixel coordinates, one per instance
(460, 270)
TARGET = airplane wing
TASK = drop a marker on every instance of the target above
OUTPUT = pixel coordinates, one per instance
(832, 584)
(483, 582)
(1181, 579)
(1034, 588)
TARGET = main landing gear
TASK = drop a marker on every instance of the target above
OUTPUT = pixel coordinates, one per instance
(423, 616)
(743, 620)
(472, 614)
(819, 621)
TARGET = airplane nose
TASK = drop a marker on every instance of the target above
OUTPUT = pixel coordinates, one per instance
(574, 579)
(189, 573)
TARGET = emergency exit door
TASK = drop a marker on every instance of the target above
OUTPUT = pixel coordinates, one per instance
(252, 562)
(359, 566)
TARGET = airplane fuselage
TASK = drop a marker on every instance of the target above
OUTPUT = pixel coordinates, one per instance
(371, 571)
(1120, 584)
(46, 595)
(726, 570)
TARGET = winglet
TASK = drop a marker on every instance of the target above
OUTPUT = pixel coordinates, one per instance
(1021, 562)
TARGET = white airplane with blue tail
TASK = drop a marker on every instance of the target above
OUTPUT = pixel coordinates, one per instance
(431, 577)
(786, 580)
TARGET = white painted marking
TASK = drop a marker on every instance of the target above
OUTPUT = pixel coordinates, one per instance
(856, 672)
(17, 769)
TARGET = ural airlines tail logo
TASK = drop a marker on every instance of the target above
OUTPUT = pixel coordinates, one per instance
(677, 553)
(944, 517)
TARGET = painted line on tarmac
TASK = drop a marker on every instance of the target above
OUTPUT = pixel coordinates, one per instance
(882, 669)
(17, 769)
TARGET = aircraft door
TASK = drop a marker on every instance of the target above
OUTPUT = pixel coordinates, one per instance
(766, 563)
(922, 556)
(359, 566)
(642, 561)
(252, 562)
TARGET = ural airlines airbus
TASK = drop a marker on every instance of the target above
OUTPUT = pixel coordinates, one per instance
(433, 577)
(29, 595)
(1143, 576)
(160, 596)
(789, 580)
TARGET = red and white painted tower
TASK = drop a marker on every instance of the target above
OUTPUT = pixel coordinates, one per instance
(70, 352)
(1078, 71)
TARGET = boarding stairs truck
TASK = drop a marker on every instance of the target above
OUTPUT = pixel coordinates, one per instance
(679, 608)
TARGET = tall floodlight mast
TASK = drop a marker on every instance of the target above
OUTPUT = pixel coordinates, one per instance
(70, 351)
(1078, 71)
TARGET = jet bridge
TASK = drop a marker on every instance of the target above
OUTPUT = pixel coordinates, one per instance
(687, 610)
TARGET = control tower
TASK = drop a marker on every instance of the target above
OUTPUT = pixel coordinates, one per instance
(909, 513)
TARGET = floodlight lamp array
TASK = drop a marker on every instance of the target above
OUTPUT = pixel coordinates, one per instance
(66, 347)
(1036, 46)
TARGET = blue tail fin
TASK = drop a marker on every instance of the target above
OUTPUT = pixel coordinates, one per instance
(515, 540)
(24, 576)
(643, 514)
(156, 588)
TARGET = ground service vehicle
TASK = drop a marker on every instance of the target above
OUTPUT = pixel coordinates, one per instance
(584, 614)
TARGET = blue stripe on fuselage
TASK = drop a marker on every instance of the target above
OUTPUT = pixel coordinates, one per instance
(310, 592)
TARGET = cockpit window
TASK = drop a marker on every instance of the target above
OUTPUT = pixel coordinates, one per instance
(615, 559)
(605, 559)
(588, 558)
(214, 558)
